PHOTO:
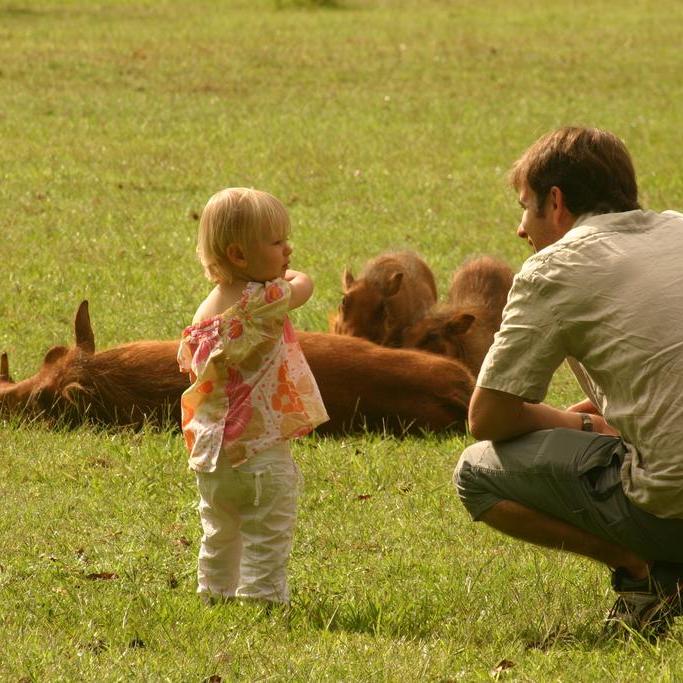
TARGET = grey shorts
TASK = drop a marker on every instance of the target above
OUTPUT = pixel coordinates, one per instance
(571, 475)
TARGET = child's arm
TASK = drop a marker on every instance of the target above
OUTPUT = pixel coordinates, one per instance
(302, 288)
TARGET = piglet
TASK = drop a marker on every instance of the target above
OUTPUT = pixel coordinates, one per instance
(463, 328)
(393, 292)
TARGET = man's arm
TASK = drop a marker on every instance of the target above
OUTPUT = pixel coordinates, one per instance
(496, 416)
(585, 406)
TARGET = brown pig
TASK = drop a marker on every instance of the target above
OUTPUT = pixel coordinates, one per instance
(127, 385)
(482, 282)
(464, 328)
(363, 385)
(394, 291)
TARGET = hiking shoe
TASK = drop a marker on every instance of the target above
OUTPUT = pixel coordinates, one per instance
(646, 606)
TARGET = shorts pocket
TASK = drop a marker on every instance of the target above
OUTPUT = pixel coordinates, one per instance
(599, 453)
(608, 506)
(568, 453)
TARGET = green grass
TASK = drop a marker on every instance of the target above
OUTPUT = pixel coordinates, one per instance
(382, 124)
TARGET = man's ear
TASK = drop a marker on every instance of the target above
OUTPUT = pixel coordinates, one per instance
(563, 218)
(236, 255)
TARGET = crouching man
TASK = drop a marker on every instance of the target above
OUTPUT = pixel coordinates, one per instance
(604, 290)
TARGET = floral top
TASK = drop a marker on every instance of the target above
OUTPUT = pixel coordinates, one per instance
(251, 385)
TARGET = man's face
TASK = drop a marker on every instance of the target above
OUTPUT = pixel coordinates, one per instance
(536, 226)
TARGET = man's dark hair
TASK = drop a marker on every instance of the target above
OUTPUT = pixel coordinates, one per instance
(592, 167)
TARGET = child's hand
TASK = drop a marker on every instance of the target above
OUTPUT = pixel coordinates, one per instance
(302, 288)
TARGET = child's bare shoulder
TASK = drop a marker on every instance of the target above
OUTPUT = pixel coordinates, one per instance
(219, 300)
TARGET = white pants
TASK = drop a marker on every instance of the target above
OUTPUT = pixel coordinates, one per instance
(248, 515)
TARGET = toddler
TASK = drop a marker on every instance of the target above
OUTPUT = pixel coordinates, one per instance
(252, 391)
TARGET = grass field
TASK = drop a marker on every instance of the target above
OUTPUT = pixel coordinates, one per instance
(382, 124)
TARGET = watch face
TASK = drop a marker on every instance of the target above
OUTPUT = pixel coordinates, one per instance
(586, 423)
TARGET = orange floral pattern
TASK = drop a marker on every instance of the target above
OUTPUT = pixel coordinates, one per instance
(251, 385)
(273, 292)
(189, 437)
(235, 328)
(205, 387)
(187, 412)
(286, 399)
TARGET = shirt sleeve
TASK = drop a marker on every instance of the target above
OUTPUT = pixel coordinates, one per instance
(267, 307)
(269, 300)
(258, 317)
(528, 348)
(184, 356)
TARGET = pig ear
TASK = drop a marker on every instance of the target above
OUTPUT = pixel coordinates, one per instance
(332, 321)
(85, 339)
(460, 323)
(54, 354)
(347, 280)
(393, 284)
(4, 369)
(72, 391)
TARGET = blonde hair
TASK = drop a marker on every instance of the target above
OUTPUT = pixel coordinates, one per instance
(237, 215)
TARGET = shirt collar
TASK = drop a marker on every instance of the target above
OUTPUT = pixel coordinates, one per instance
(591, 223)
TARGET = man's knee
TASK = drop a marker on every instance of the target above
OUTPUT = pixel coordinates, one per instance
(467, 457)
(471, 486)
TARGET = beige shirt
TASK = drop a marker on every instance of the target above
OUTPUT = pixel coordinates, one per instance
(610, 295)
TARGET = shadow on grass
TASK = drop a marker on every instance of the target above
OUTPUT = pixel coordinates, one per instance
(72, 420)
(308, 4)
(590, 637)
(425, 619)
(368, 615)
(18, 11)
(428, 618)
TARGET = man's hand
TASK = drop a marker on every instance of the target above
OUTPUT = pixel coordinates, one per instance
(601, 427)
(599, 423)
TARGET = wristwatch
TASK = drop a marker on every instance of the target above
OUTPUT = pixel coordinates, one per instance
(586, 423)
